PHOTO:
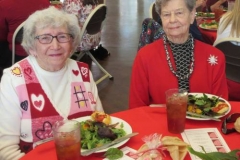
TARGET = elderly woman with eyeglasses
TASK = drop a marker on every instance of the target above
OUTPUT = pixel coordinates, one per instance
(177, 60)
(46, 86)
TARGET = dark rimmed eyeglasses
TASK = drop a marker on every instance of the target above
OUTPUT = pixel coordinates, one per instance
(231, 119)
(48, 38)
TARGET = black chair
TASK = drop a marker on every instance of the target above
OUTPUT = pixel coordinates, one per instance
(153, 13)
(231, 49)
(101, 2)
(93, 25)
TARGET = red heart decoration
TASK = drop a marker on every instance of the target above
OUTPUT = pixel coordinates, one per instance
(44, 132)
(75, 72)
(84, 71)
(28, 71)
(38, 103)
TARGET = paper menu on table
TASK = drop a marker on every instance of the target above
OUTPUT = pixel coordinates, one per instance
(209, 138)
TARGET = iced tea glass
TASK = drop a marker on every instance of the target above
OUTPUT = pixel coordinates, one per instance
(67, 138)
(176, 102)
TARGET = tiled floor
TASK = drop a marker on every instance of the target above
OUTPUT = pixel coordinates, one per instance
(120, 36)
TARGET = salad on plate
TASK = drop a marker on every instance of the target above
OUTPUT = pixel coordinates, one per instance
(98, 130)
(207, 104)
(210, 25)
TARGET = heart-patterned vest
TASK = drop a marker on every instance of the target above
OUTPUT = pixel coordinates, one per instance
(38, 113)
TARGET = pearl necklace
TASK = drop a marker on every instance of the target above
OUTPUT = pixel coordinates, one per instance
(170, 64)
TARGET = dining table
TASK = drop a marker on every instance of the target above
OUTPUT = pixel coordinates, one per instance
(209, 36)
(146, 121)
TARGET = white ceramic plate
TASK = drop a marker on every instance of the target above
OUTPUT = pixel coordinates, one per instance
(209, 95)
(127, 128)
(204, 16)
(201, 26)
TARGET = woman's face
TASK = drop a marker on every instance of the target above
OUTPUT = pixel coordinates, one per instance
(176, 19)
(52, 56)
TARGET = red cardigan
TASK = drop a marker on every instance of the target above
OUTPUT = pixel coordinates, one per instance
(151, 75)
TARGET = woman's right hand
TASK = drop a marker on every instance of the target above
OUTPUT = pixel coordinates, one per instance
(217, 5)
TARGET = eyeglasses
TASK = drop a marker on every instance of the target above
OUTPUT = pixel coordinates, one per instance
(47, 38)
(231, 119)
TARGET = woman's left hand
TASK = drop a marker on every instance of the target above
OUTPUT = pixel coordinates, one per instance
(201, 3)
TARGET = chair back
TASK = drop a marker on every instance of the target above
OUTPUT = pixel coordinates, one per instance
(231, 49)
(17, 38)
(152, 12)
(93, 23)
(101, 2)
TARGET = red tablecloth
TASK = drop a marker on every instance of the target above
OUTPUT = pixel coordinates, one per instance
(209, 36)
(146, 121)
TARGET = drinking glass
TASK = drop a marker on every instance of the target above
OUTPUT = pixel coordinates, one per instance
(176, 102)
(67, 138)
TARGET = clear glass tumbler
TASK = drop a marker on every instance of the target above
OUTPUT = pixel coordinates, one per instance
(176, 102)
(67, 139)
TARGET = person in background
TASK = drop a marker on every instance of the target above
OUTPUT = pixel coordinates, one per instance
(200, 4)
(12, 14)
(81, 9)
(56, 3)
(194, 26)
(229, 27)
(5, 57)
(152, 29)
(212, 5)
(177, 60)
(229, 23)
(45, 87)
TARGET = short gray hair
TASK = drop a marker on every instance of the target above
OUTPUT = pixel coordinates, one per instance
(159, 3)
(50, 17)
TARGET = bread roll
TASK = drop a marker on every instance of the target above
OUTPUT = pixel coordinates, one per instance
(220, 108)
(101, 117)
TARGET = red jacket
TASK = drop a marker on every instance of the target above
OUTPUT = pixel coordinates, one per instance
(151, 75)
(12, 14)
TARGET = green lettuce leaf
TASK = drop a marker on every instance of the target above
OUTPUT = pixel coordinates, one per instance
(233, 155)
(113, 154)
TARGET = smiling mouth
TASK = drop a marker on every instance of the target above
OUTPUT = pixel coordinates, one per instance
(55, 55)
(174, 27)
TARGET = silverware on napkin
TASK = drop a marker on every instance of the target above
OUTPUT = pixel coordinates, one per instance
(90, 151)
(203, 116)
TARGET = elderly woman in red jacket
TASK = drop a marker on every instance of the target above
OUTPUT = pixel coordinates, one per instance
(177, 60)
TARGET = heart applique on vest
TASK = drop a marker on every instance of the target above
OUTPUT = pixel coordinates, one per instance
(16, 71)
(45, 132)
(38, 101)
(75, 72)
(84, 71)
(24, 105)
